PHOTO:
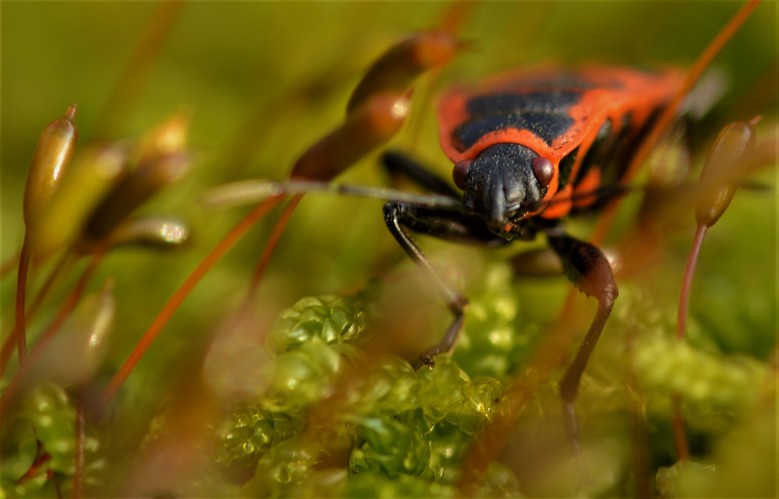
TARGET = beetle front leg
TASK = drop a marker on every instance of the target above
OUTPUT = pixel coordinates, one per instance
(456, 302)
(589, 270)
(445, 224)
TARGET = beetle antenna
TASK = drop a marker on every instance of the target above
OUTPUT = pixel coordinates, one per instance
(253, 191)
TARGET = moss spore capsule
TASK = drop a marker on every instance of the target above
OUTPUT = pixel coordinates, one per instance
(50, 160)
(133, 190)
(59, 224)
(375, 122)
(732, 144)
(397, 69)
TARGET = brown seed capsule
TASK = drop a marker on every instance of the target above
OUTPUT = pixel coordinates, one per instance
(93, 173)
(50, 160)
(76, 353)
(370, 126)
(151, 232)
(168, 137)
(396, 70)
(732, 144)
(132, 190)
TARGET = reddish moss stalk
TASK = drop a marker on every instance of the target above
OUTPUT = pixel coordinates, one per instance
(182, 292)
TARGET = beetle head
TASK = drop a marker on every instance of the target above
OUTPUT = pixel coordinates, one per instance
(504, 185)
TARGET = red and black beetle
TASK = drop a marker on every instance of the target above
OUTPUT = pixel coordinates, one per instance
(574, 131)
(530, 149)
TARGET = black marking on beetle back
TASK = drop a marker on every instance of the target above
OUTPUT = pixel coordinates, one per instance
(544, 113)
(566, 167)
(547, 126)
(551, 101)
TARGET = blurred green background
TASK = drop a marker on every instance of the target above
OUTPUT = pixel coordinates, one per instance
(263, 80)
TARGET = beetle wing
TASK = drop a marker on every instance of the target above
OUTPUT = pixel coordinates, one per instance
(550, 110)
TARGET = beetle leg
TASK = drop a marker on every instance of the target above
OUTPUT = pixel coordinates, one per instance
(589, 270)
(400, 164)
(445, 224)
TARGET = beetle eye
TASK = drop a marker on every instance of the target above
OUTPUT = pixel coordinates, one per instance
(543, 169)
(460, 171)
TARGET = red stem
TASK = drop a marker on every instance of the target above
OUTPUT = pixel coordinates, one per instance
(49, 332)
(10, 340)
(273, 241)
(182, 292)
(680, 436)
(20, 331)
(689, 272)
(677, 419)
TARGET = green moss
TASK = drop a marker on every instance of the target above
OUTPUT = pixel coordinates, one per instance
(42, 431)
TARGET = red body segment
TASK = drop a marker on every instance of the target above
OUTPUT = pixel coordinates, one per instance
(586, 98)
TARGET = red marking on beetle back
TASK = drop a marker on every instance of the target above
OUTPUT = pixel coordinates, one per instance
(588, 184)
(607, 94)
(562, 204)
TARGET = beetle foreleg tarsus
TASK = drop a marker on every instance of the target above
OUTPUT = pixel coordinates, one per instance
(590, 271)
(447, 343)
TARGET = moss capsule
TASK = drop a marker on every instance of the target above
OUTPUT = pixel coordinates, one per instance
(167, 138)
(151, 232)
(50, 160)
(373, 124)
(396, 70)
(133, 190)
(733, 142)
(93, 173)
(77, 352)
